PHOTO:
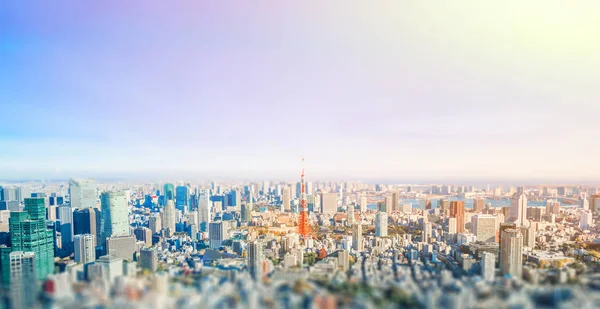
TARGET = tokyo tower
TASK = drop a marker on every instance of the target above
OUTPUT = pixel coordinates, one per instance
(303, 226)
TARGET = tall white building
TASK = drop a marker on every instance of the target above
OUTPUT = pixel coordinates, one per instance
(350, 218)
(23, 278)
(451, 225)
(484, 227)
(427, 231)
(518, 210)
(285, 199)
(511, 253)
(488, 266)
(585, 203)
(357, 238)
(85, 248)
(362, 201)
(82, 193)
(255, 259)
(170, 218)
(204, 207)
(115, 215)
(344, 260)
(586, 220)
(216, 234)
(381, 224)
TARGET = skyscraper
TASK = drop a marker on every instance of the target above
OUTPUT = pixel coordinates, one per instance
(83, 193)
(285, 200)
(23, 275)
(594, 202)
(87, 221)
(169, 218)
(457, 210)
(245, 213)
(216, 234)
(511, 253)
(586, 220)
(115, 215)
(427, 231)
(488, 266)
(350, 215)
(255, 259)
(381, 224)
(451, 225)
(394, 201)
(484, 227)
(28, 233)
(235, 199)
(444, 206)
(169, 191)
(362, 200)
(357, 238)
(518, 210)
(22, 194)
(85, 248)
(204, 208)
(182, 198)
(329, 203)
(343, 260)
(65, 215)
(585, 203)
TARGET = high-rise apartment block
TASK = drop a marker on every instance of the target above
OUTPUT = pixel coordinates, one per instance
(488, 266)
(255, 259)
(511, 253)
(357, 238)
(381, 224)
(216, 234)
(115, 215)
(457, 210)
(85, 248)
(484, 227)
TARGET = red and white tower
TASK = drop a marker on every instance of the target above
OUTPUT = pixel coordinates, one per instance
(303, 225)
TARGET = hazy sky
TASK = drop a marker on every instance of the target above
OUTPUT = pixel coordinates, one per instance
(363, 89)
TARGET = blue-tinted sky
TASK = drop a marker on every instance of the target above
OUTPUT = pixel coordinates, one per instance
(363, 89)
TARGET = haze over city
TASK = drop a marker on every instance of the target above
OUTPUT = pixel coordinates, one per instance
(397, 90)
(299, 154)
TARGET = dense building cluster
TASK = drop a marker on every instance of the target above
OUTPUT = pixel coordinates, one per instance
(237, 245)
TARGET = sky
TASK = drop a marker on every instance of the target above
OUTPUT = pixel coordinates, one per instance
(406, 90)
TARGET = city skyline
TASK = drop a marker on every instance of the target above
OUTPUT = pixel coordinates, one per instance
(396, 91)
